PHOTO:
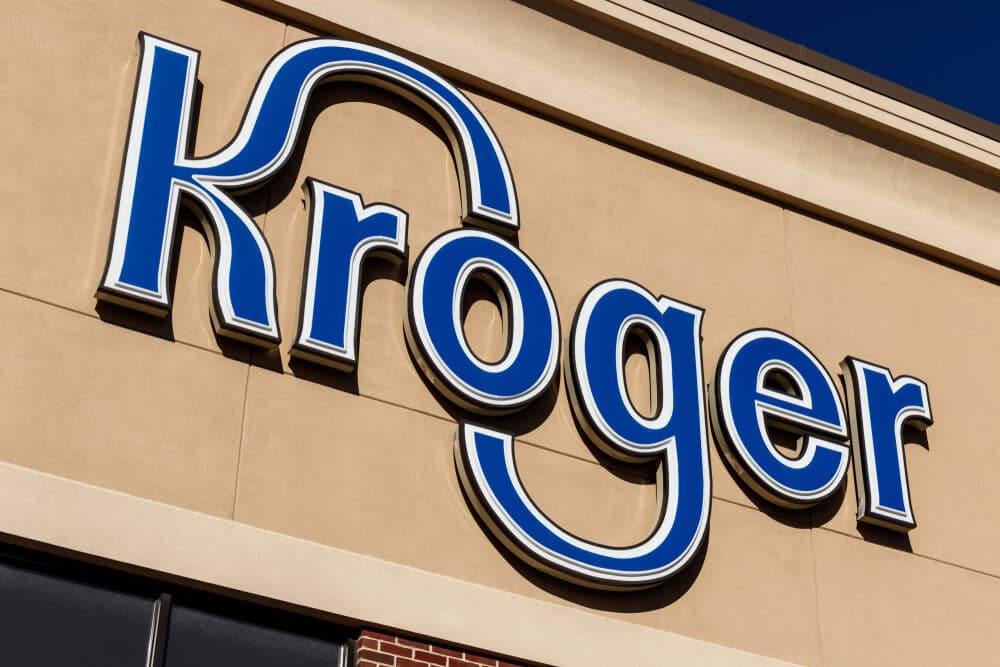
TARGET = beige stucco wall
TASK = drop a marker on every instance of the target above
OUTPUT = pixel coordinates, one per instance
(164, 410)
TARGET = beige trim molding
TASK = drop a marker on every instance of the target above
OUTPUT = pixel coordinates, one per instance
(824, 63)
(140, 534)
(676, 89)
(780, 70)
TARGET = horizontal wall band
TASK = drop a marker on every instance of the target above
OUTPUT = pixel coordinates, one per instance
(634, 94)
(112, 526)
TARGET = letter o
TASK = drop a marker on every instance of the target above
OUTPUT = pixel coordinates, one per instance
(434, 322)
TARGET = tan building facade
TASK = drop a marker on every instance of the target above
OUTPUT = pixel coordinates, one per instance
(643, 146)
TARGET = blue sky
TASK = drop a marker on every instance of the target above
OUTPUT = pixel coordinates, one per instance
(949, 51)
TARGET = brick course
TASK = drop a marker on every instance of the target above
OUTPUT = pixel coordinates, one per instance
(379, 649)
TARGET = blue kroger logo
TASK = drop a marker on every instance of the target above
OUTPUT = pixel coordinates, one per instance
(765, 379)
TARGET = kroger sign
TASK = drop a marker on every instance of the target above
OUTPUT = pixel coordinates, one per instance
(764, 380)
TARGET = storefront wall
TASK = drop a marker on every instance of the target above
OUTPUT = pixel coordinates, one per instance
(166, 411)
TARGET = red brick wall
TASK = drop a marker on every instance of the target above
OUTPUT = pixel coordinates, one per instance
(377, 649)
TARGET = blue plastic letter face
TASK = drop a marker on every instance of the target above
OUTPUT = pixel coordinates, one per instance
(342, 233)
(158, 171)
(743, 406)
(676, 437)
(434, 324)
(880, 406)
